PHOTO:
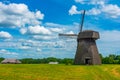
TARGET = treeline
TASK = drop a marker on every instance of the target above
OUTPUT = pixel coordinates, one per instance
(46, 60)
(111, 59)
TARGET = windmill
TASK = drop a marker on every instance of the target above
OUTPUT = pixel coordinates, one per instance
(87, 52)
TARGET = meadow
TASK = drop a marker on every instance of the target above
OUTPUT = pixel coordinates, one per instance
(58, 72)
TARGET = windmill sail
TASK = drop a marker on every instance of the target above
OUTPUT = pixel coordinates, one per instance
(82, 21)
(81, 26)
(67, 34)
(70, 36)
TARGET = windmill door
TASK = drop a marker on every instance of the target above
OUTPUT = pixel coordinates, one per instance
(87, 61)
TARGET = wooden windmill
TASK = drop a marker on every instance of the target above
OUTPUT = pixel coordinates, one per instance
(87, 52)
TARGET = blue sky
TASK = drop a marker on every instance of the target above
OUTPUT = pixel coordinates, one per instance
(30, 28)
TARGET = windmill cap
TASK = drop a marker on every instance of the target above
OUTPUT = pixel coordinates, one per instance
(88, 34)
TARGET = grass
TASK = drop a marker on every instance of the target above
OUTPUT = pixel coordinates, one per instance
(58, 72)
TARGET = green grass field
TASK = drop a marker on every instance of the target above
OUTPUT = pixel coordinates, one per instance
(58, 72)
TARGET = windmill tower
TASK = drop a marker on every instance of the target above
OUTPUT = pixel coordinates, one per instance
(87, 52)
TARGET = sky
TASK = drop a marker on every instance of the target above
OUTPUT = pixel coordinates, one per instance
(30, 28)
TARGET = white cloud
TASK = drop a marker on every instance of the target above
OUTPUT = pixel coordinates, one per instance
(39, 15)
(24, 47)
(91, 2)
(38, 50)
(35, 30)
(93, 11)
(111, 10)
(56, 26)
(17, 15)
(23, 30)
(52, 24)
(70, 32)
(96, 2)
(44, 37)
(80, 1)
(5, 35)
(6, 52)
(38, 30)
(101, 2)
(58, 30)
(73, 10)
(62, 28)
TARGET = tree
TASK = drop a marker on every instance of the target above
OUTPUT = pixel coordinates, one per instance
(67, 61)
(51, 59)
(111, 59)
(1, 59)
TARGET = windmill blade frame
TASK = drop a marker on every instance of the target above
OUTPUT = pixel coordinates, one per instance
(82, 20)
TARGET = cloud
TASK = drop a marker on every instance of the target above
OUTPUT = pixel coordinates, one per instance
(24, 47)
(6, 52)
(55, 25)
(39, 15)
(37, 37)
(96, 2)
(5, 35)
(60, 28)
(18, 15)
(38, 50)
(93, 11)
(109, 10)
(73, 10)
(100, 2)
(38, 30)
(80, 1)
(57, 30)
(91, 2)
(23, 30)
(35, 30)
(70, 32)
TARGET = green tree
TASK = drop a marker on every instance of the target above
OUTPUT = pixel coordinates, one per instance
(1, 59)
(52, 59)
(67, 61)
